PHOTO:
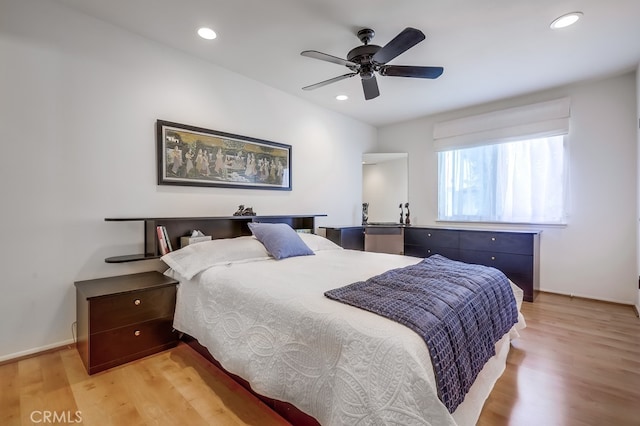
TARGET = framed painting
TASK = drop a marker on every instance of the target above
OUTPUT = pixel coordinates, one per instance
(194, 156)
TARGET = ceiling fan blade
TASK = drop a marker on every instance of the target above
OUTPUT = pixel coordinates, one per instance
(409, 71)
(325, 57)
(404, 41)
(370, 87)
(331, 80)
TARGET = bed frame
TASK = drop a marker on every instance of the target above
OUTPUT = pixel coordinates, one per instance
(219, 227)
(286, 410)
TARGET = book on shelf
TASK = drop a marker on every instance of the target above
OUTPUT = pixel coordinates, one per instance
(162, 240)
(166, 239)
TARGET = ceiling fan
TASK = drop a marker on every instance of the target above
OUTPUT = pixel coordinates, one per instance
(368, 59)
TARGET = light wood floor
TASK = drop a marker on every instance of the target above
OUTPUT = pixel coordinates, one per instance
(577, 363)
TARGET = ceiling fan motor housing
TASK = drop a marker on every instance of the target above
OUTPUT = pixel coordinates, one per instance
(363, 55)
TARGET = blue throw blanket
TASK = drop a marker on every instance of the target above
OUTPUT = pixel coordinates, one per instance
(460, 310)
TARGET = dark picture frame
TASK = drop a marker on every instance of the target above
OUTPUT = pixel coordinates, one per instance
(195, 156)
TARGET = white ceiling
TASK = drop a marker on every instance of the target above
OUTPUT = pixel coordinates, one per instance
(490, 49)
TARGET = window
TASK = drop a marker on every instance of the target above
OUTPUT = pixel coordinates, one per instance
(521, 182)
(504, 166)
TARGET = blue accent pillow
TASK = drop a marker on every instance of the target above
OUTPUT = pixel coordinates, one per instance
(280, 240)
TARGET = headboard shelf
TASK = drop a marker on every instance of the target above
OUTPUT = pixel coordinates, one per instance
(215, 226)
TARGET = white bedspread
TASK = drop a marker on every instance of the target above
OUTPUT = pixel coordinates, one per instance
(269, 322)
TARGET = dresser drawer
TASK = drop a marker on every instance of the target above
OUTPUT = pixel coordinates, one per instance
(499, 242)
(427, 251)
(506, 262)
(431, 237)
(124, 342)
(118, 310)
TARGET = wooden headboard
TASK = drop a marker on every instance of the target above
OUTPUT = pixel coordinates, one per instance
(217, 227)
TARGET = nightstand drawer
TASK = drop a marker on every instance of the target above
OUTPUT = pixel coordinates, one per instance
(118, 310)
(124, 342)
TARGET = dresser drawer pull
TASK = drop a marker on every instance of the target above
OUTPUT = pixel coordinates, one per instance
(137, 302)
(493, 258)
(136, 333)
(493, 238)
(428, 235)
(428, 251)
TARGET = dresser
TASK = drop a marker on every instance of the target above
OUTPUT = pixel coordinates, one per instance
(123, 318)
(516, 253)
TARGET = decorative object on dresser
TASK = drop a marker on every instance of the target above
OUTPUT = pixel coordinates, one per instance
(516, 253)
(365, 213)
(401, 215)
(214, 226)
(195, 156)
(124, 318)
(408, 214)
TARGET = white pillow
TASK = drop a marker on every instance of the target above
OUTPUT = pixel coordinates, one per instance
(317, 242)
(195, 258)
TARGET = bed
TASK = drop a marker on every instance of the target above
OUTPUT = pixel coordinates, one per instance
(268, 322)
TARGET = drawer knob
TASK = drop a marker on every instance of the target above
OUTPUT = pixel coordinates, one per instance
(137, 302)
(493, 238)
(428, 235)
(136, 333)
(493, 258)
(428, 251)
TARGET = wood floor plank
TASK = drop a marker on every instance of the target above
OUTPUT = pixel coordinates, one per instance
(577, 363)
(9, 395)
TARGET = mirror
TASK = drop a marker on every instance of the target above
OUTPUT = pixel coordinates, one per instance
(385, 185)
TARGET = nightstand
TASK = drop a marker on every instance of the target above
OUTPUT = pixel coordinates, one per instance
(348, 237)
(124, 318)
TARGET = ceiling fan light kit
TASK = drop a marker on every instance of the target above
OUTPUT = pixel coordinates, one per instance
(369, 59)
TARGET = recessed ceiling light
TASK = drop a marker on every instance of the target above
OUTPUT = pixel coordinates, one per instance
(207, 33)
(342, 97)
(566, 20)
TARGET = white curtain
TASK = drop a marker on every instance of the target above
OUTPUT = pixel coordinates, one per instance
(518, 182)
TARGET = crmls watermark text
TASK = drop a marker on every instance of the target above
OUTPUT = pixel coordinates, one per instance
(52, 417)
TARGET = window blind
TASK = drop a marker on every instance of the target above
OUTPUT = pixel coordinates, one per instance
(540, 120)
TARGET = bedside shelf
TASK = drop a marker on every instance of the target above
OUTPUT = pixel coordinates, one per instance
(216, 226)
(130, 258)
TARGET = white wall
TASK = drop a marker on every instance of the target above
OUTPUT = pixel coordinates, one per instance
(595, 255)
(78, 102)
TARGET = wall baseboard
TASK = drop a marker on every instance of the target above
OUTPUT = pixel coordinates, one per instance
(17, 356)
(581, 296)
